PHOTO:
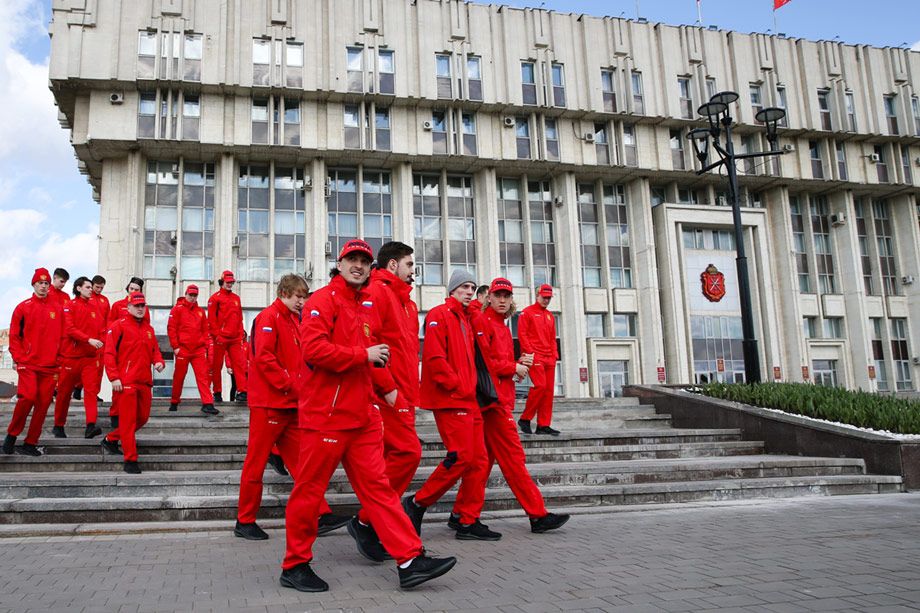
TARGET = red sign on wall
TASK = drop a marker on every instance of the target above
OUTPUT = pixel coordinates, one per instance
(805, 373)
(872, 371)
(720, 365)
(661, 377)
(583, 375)
(777, 373)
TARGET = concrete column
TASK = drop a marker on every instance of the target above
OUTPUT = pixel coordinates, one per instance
(485, 198)
(905, 220)
(316, 226)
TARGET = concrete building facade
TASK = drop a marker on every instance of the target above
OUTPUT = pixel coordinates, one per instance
(258, 135)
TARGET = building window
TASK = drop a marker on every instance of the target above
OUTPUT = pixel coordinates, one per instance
(677, 150)
(429, 252)
(161, 219)
(352, 123)
(900, 353)
(596, 325)
(146, 55)
(624, 325)
(442, 76)
(601, 144)
(748, 145)
(851, 110)
(375, 121)
(810, 327)
(360, 204)
(824, 108)
(511, 231)
(293, 62)
(460, 223)
(551, 135)
(253, 223)
(289, 222)
(355, 68)
(825, 372)
(542, 232)
(613, 376)
(630, 152)
(915, 111)
(711, 88)
(637, 93)
(862, 236)
(817, 164)
(905, 164)
(841, 150)
(474, 77)
(147, 115)
(381, 131)
(261, 62)
(528, 83)
(522, 135)
(608, 90)
(885, 244)
(558, 74)
(158, 115)
(821, 235)
(782, 103)
(196, 259)
(881, 164)
(588, 223)
(878, 354)
(717, 338)
(191, 117)
(191, 56)
(756, 93)
(439, 132)
(468, 137)
(617, 236)
(832, 327)
(282, 115)
(169, 56)
(891, 113)
(386, 71)
(686, 98)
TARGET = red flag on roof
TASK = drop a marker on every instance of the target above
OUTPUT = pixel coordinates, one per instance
(780, 3)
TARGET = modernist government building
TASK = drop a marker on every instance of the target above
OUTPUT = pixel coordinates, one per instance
(258, 135)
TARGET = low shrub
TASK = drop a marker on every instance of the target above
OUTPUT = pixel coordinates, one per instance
(859, 409)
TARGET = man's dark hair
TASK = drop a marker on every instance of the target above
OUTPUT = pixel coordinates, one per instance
(76, 284)
(137, 280)
(393, 250)
(98, 280)
(482, 290)
(63, 274)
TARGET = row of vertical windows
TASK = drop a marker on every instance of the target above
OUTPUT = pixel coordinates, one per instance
(172, 56)
(604, 235)
(432, 195)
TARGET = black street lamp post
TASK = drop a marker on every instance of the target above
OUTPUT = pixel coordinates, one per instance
(716, 112)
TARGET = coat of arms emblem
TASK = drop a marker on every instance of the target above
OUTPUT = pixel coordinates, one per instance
(713, 284)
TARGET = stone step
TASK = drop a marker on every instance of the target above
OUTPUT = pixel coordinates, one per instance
(192, 508)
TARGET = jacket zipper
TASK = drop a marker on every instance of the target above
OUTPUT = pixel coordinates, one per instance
(336, 396)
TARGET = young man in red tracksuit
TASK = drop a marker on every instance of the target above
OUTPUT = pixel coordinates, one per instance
(225, 321)
(537, 334)
(102, 305)
(58, 281)
(120, 307)
(36, 333)
(341, 425)
(391, 290)
(274, 389)
(187, 329)
(130, 350)
(83, 329)
(493, 338)
(449, 389)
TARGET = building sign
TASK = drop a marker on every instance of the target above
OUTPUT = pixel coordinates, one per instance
(661, 377)
(583, 375)
(805, 373)
(713, 284)
(777, 373)
(871, 371)
(720, 365)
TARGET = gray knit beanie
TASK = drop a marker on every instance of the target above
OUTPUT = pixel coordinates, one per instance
(458, 278)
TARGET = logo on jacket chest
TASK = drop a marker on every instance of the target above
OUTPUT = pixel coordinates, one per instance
(367, 330)
(52, 314)
(149, 336)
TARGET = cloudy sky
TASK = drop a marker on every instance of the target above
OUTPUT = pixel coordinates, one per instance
(47, 215)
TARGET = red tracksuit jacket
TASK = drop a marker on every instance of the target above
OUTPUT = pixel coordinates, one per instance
(537, 333)
(102, 305)
(59, 295)
(337, 328)
(278, 368)
(119, 310)
(36, 334)
(82, 321)
(394, 305)
(187, 328)
(448, 369)
(225, 316)
(497, 348)
(130, 350)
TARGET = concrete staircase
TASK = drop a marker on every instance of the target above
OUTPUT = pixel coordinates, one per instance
(611, 452)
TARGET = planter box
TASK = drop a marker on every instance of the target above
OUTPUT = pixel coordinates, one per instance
(786, 433)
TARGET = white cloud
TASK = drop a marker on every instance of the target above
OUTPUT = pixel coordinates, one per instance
(77, 253)
(916, 46)
(18, 228)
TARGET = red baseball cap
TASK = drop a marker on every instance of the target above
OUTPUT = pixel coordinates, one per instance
(193, 289)
(500, 284)
(135, 298)
(356, 245)
(227, 275)
(545, 290)
(41, 274)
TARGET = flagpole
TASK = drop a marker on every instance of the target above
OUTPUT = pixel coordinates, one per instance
(638, 12)
(775, 29)
(699, 12)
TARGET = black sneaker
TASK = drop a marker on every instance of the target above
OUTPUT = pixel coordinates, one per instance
(415, 512)
(113, 421)
(367, 541)
(173, 406)
(550, 521)
(546, 430)
(110, 446)
(303, 579)
(92, 431)
(477, 531)
(524, 425)
(208, 409)
(453, 522)
(250, 532)
(58, 432)
(132, 467)
(275, 461)
(424, 569)
(29, 449)
(330, 522)
(218, 398)
(9, 444)
(241, 396)
(78, 393)
(99, 399)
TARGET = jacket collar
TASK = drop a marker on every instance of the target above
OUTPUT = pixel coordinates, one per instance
(402, 289)
(454, 305)
(224, 290)
(340, 286)
(493, 315)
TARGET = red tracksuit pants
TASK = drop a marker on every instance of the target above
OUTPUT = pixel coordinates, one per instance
(402, 451)
(237, 363)
(540, 397)
(504, 446)
(133, 409)
(466, 459)
(74, 371)
(34, 391)
(360, 451)
(202, 375)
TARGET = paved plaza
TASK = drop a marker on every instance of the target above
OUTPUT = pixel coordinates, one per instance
(850, 553)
